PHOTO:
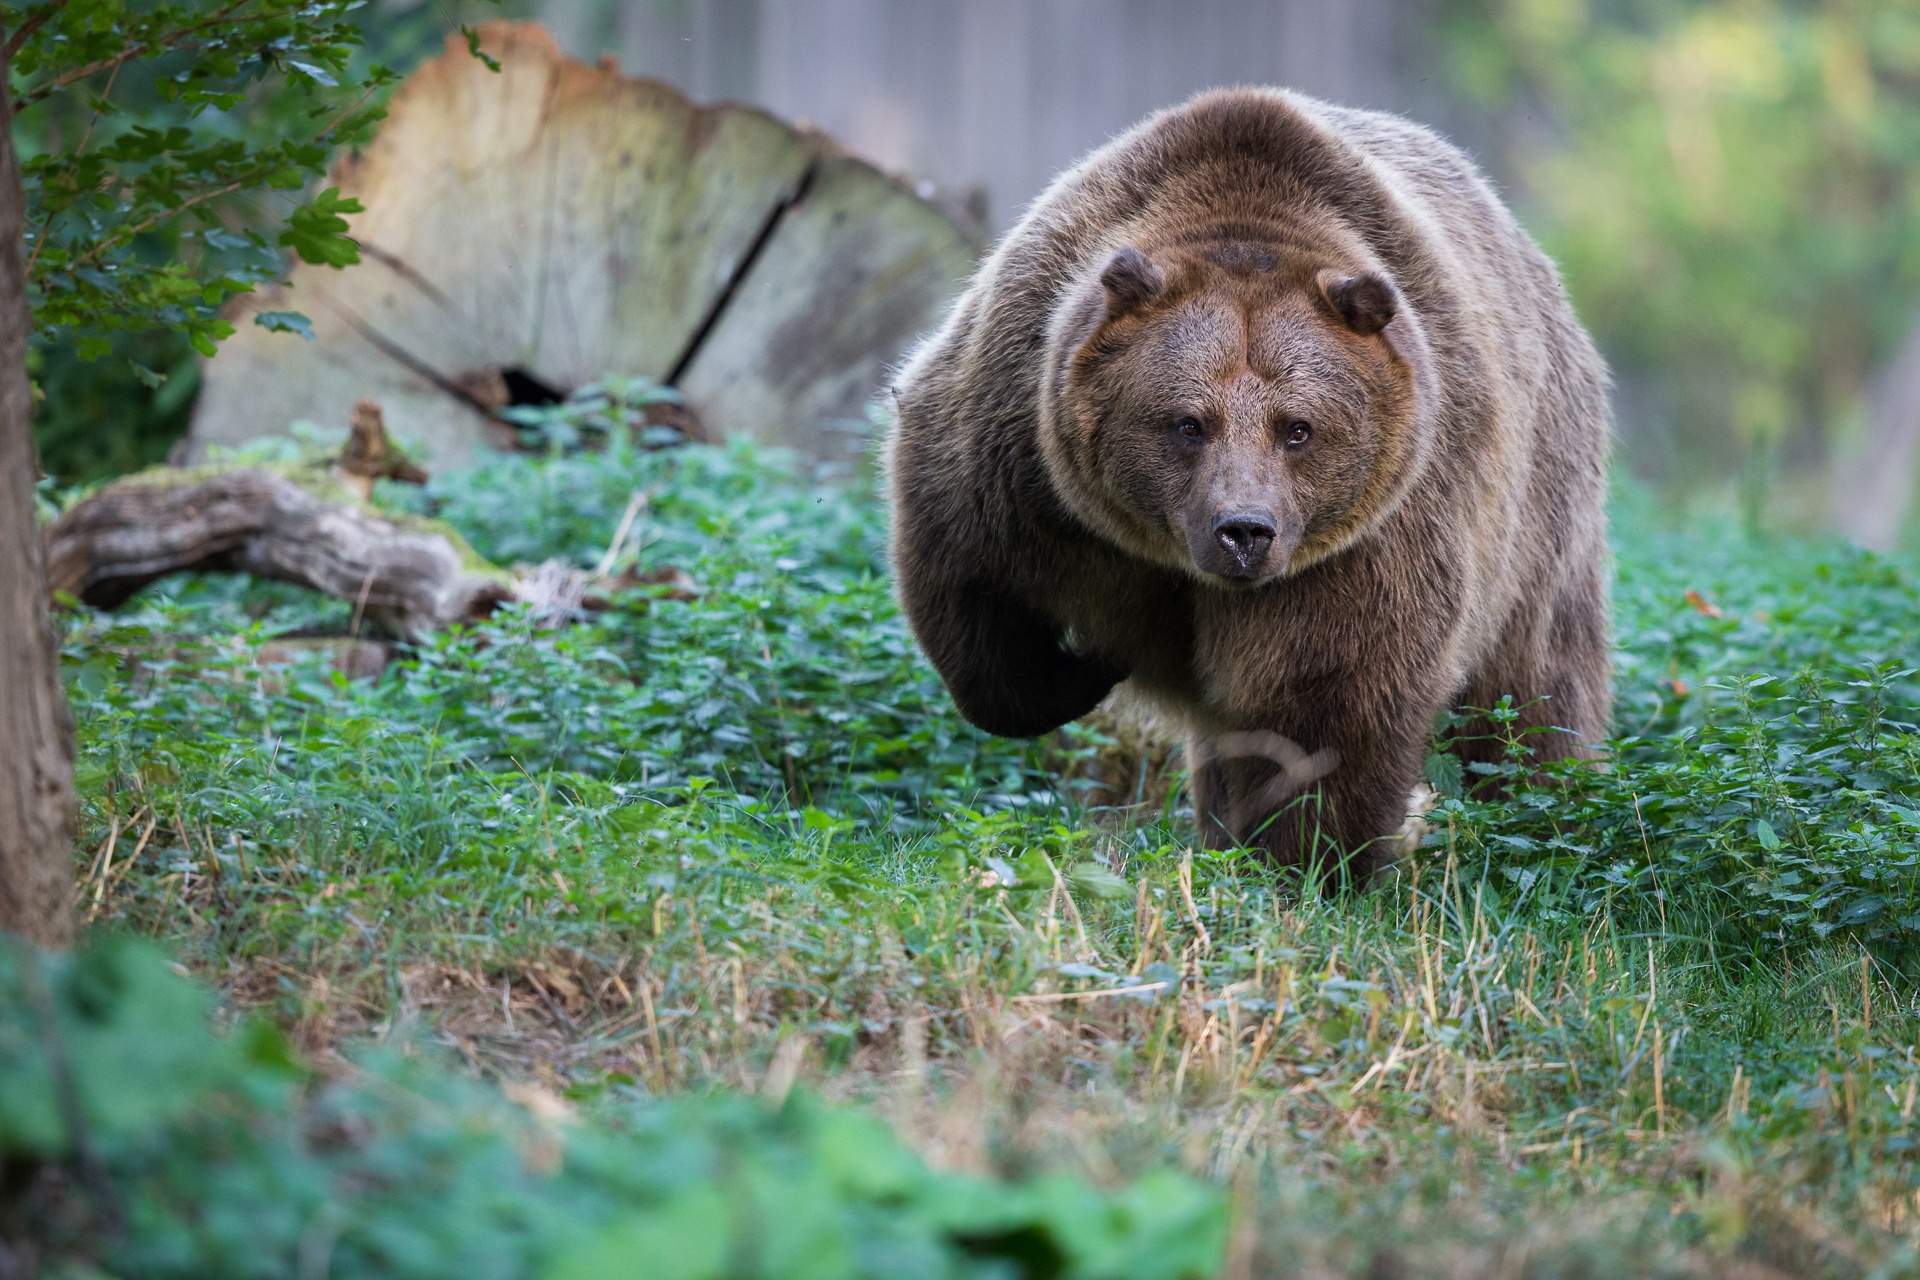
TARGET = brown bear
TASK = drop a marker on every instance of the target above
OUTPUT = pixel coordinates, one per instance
(1271, 411)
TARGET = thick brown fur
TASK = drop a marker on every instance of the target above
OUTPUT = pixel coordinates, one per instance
(1270, 410)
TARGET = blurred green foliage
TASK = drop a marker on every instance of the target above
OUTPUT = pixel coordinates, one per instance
(102, 164)
(137, 1142)
(116, 414)
(1731, 191)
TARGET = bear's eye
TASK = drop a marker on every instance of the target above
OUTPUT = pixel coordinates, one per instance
(1298, 433)
(1189, 428)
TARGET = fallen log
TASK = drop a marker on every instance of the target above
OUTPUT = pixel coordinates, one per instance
(290, 527)
(311, 525)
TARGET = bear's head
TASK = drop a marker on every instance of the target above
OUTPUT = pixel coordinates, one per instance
(1236, 410)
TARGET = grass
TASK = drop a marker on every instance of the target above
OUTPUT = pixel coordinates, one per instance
(1656, 1019)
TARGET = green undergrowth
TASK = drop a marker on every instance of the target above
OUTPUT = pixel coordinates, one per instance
(1767, 768)
(198, 1157)
(1653, 1017)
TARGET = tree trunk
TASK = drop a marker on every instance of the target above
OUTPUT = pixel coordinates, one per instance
(1873, 482)
(37, 806)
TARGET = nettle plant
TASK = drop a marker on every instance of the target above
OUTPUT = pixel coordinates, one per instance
(168, 155)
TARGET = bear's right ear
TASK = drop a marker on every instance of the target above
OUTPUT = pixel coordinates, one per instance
(1366, 301)
(1131, 281)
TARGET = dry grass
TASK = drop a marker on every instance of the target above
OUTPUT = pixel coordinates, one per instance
(1396, 1084)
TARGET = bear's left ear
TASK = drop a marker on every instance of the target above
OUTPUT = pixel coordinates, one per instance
(1366, 301)
(1131, 281)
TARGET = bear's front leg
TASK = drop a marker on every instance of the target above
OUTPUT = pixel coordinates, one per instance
(1333, 808)
(1006, 665)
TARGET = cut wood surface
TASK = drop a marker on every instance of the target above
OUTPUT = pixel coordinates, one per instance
(851, 270)
(564, 222)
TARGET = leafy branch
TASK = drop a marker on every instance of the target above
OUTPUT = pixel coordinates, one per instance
(27, 28)
(145, 49)
(155, 223)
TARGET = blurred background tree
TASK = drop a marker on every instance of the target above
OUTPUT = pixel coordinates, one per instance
(1731, 191)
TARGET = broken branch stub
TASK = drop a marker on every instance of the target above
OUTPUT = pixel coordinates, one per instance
(552, 223)
(370, 453)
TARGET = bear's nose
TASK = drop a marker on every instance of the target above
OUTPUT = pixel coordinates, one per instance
(1246, 536)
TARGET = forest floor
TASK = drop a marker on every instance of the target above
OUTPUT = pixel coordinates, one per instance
(1654, 1019)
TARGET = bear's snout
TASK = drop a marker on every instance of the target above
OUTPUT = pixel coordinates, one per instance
(1246, 537)
(1241, 542)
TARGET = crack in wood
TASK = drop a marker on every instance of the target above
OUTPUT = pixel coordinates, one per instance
(410, 362)
(405, 270)
(708, 323)
(738, 276)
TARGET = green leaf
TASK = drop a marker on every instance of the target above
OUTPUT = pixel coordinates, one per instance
(318, 74)
(1763, 830)
(285, 322)
(1861, 910)
(1094, 879)
(682, 1239)
(1033, 869)
(799, 1230)
(1444, 773)
(1165, 1226)
(860, 1153)
(473, 47)
(317, 231)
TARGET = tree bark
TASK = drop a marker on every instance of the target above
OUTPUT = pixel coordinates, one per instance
(37, 804)
(1873, 482)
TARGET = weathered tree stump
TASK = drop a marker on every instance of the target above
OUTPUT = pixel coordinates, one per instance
(539, 227)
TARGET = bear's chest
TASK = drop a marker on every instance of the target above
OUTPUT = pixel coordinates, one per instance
(1374, 620)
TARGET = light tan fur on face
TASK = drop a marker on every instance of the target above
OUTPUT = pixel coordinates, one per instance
(1248, 351)
(1252, 260)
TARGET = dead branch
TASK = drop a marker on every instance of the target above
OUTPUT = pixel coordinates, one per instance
(370, 455)
(312, 526)
(406, 581)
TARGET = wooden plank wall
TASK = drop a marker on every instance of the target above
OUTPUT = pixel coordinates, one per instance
(988, 99)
